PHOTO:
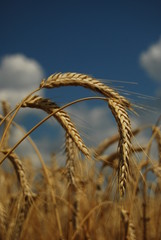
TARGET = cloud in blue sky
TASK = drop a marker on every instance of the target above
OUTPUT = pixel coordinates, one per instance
(150, 60)
(19, 75)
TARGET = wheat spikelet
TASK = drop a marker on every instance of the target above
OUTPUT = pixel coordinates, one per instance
(124, 128)
(77, 79)
(61, 116)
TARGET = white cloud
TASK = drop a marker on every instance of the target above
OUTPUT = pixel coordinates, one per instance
(150, 60)
(19, 75)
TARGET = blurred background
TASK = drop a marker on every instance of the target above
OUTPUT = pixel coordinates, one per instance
(118, 42)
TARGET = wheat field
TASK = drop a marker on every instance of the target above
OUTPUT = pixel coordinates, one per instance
(79, 200)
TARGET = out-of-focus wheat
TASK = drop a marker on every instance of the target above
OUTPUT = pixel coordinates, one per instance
(85, 204)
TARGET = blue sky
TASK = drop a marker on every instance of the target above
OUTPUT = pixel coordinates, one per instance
(102, 38)
(106, 39)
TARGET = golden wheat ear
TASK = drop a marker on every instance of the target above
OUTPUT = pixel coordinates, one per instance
(20, 172)
(124, 128)
(78, 79)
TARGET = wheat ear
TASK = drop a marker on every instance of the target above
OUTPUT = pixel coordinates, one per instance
(61, 116)
(20, 172)
(124, 128)
(77, 79)
(27, 196)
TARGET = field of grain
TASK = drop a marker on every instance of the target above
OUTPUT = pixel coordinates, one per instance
(115, 199)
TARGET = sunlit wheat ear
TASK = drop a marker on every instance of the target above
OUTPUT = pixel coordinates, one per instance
(20, 172)
(61, 116)
(124, 128)
(157, 132)
(77, 79)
